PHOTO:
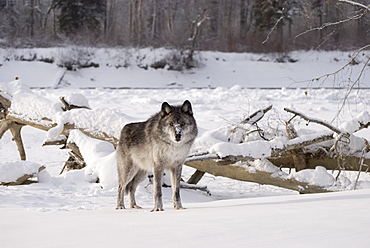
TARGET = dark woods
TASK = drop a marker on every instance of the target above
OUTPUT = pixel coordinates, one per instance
(223, 25)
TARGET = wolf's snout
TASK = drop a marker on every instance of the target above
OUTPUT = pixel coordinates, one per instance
(178, 136)
(178, 132)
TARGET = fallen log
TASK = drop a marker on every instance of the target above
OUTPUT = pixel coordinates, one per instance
(14, 121)
(353, 163)
(46, 125)
(225, 169)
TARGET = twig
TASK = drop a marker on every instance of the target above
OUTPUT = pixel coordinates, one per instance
(367, 8)
(256, 116)
(325, 25)
(273, 28)
(351, 87)
(310, 119)
(361, 164)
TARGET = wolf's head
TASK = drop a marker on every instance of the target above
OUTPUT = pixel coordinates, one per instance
(178, 122)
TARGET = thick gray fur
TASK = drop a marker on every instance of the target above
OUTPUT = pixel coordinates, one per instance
(160, 143)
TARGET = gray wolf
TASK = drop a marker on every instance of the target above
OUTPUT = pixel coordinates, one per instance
(160, 143)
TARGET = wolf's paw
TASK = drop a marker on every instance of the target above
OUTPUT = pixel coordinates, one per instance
(157, 210)
(120, 207)
(179, 208)
(136, 207)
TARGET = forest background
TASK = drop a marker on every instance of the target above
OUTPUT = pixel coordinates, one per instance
(217, 25)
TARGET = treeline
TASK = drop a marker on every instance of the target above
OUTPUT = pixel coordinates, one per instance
(223, 25)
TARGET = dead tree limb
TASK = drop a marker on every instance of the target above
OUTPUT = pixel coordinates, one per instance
(196, 177)
(353, 3)
(68, 106)
(46, 125)
(297, 154)
(251, 120)
(12, 126)
(197, 23)
(222, 168)
(311, 119)
(256, 116)
(15, 129)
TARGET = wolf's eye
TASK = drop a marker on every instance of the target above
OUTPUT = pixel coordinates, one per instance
(172, 124)
(182, 124)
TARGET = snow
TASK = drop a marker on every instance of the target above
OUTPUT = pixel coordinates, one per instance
(224, 149)
(100, 159)
(77, 99)
(319, 176)
(355, 124)
(11, 171)
(72, 210)
(121, 67)
(265, 165)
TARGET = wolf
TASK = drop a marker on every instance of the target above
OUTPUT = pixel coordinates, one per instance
(160, 143)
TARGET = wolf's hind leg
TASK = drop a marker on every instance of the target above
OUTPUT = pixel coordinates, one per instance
(131, 187)
(125, 175)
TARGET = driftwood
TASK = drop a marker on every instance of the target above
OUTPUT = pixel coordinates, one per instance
(226, 168)
(196, 177)
(14, 122)
(69, 106)
(75, 160)
(298, 153)
(310, 119)
(13, 126)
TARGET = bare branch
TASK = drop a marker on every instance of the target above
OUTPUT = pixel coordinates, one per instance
(367, 8)
(349, 62)
(273, 28)
(311, 119)
(325, 25)
(351, 87)
(256, 116)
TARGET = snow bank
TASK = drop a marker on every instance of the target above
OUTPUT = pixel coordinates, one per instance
(319, 176)
(100, 159)
(266, 166)
(254, 149)
(128, 67)
(77, 99)
(28, 105)
(355, 124)
(12, 171)
(100, 120)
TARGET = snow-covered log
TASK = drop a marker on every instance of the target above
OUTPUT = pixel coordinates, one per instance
(18, 104)
(16, 173)
(241, 171)
(12, 126)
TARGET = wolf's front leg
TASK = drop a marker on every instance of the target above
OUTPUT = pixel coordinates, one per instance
(158, 174)
(120, 201)
(175, 181)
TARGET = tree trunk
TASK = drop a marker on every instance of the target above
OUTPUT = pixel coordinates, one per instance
(223, 168)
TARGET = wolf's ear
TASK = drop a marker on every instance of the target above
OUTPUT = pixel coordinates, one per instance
(166, 109)
(186, 107)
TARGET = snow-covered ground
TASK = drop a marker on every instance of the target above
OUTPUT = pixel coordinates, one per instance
(67, 211)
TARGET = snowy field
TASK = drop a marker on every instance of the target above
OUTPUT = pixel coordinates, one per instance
(67, 211)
